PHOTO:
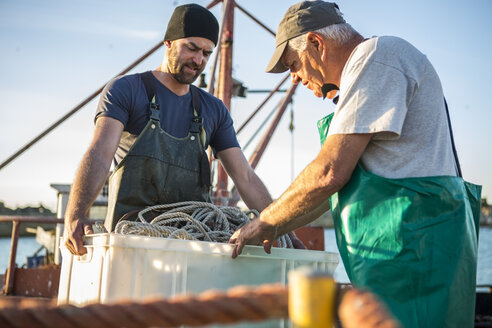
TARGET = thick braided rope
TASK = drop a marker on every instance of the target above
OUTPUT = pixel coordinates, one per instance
(192, 221)
(236, 304)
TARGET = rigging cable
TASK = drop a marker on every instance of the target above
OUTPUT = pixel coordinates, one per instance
(291, 129)
(262, 125)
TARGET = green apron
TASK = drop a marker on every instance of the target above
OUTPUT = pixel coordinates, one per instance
(159, 168)
(412, 241)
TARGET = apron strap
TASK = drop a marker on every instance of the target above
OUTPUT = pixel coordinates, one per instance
(197, 120)
(196, 126)
(149, 83)
(195, 100)
(458, 167)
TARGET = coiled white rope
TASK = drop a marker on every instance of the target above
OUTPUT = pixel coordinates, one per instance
(192, 221)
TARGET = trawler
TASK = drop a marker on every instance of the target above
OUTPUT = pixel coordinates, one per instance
(41, 284)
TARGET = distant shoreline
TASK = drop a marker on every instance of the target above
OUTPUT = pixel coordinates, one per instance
(98, 212)
(6, 228)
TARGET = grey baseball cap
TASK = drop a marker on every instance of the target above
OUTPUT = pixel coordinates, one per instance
(301, 18)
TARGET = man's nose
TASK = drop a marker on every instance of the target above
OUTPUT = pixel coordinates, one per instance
(295, 78)
(198, 58)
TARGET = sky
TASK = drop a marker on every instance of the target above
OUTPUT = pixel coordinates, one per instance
(53, 54)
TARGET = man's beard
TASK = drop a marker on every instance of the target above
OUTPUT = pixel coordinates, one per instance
(176, 69)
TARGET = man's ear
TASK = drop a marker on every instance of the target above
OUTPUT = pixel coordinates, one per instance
(168, 44)
(317, 44)
(315, 40)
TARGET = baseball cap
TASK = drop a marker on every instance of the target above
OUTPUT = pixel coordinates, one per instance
(301, 18)
(192, 20)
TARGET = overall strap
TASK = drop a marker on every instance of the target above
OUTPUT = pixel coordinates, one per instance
(195, 100)
(149, 83)
(458, 167)
(197, 120)
(196, 126)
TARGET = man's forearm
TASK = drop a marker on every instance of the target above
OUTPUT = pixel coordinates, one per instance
(248, 184)
(324, 176)
(303, 202)
(302, 220)
(254, 193)
(89, 180)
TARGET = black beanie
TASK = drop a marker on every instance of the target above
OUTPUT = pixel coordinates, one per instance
(192, 20)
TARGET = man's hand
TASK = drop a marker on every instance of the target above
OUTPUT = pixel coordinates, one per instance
(256, 232)
(74, 230)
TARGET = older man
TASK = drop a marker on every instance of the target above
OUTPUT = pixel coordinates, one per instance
(405, 220)
(157, 126)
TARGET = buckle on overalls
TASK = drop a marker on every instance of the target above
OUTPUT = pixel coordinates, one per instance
(196, 124)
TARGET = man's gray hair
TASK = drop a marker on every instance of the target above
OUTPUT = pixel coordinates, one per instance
(340, 33)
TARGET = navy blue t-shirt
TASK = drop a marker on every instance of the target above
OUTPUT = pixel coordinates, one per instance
(125, 99)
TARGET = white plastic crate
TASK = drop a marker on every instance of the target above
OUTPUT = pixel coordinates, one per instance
(119, 267)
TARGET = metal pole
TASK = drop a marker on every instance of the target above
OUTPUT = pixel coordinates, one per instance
(9, 278)
(255, 19)
(76, 108)
(211, 83)
(255, 158)
(260, 149)
(225, 80)
(292, 145)
(212, 4)
(263, 103)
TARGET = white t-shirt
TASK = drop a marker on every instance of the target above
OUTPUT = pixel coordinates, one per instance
(389, 88)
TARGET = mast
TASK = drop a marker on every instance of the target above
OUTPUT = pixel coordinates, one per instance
(224, 90)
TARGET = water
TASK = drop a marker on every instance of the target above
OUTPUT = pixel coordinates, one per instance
(484, 268)
(28, 245)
